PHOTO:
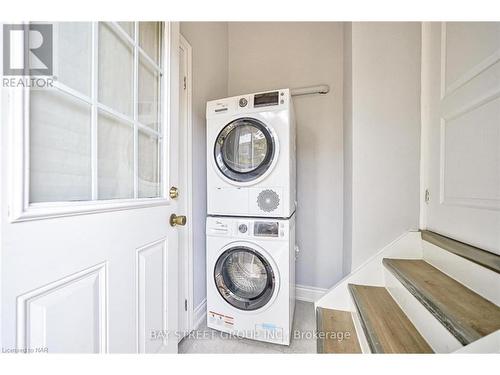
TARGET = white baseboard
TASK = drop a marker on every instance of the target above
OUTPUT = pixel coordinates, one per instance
(308, 293)
(200, 314)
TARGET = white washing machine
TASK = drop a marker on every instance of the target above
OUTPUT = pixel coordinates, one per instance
(251, 277)
(251, 164)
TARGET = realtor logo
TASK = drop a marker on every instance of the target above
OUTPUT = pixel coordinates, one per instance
(27, 50)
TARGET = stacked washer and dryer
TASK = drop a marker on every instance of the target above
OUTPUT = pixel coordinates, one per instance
(251, 202)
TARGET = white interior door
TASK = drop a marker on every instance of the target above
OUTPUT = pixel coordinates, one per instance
(89, 259)
(461, 118)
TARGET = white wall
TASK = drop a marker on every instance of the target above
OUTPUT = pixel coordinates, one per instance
(209, 43)
(270, 55)
(383, 95)
(347, 117)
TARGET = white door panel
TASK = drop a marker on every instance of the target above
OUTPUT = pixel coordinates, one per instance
(57, 248)
(151, 269)
(461, 119)
(99, 277)
(69, 315)
(467, 47)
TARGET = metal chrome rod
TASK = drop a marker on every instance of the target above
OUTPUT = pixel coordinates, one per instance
(321, 89)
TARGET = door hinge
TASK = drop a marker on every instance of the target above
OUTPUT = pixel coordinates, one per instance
(185, 82)
(185, 305)
(427, 196)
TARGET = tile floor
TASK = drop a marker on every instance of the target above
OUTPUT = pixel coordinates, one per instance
(207, 340)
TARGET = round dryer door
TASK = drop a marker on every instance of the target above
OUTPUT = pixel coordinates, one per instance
(244, 149)
(244, 278)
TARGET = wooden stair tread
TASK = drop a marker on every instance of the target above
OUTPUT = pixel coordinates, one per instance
(466, 314)
(387, 328)
(338, 331)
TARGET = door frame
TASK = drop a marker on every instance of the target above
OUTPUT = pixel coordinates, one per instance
(187, 272)
(424, 123)
(3, 123)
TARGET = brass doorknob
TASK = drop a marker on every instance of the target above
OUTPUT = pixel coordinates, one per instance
(173, 192)
(177, 220)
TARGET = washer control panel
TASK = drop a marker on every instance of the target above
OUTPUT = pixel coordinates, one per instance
(243, 228)
(266, 229)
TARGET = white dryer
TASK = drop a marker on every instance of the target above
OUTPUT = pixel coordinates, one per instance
(251, 164)
(251, 277)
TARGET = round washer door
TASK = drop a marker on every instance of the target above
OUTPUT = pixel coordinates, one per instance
(244, 149)
(244, 278)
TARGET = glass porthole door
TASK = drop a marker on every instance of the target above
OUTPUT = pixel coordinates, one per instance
(244, 278)
(244, 149)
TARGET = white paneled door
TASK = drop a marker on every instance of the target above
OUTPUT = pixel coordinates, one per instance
(88, 253)
(461, 131)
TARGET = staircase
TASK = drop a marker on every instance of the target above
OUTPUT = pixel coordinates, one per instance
(424, 293)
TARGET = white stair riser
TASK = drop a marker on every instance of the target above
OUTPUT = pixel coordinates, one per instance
(363, 343)
(486, 344)
(480, 279)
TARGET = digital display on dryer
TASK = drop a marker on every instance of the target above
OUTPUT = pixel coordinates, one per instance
(266, 229)
(266, 99)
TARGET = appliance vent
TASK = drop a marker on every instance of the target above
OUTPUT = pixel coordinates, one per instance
(268, 200)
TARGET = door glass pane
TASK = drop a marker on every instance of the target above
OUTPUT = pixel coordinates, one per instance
(73, 55)
(116, 64)
(128, 27)
(149, 185)
(149, 39)
(244, 149)
(59, 147)
(148, 94)
(245, 274)
(115, 151)
(61, 140)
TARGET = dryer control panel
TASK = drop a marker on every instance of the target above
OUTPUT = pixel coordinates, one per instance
(266, 99)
